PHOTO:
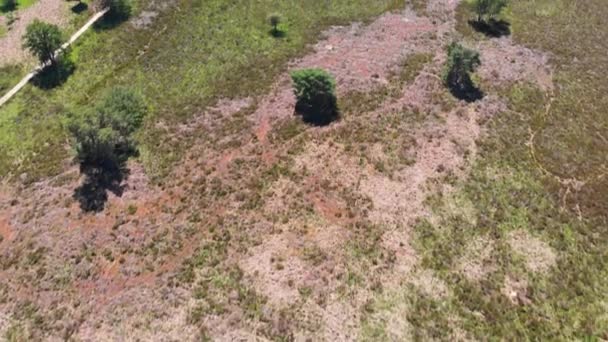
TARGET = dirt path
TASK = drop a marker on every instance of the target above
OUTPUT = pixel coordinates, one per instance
(31, 75)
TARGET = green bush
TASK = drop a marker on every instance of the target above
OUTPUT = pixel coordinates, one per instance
(315, 91)
(103, 135)
(488, 8)
(275, 20)
(8, 5)
(42, 40)
(457, 73)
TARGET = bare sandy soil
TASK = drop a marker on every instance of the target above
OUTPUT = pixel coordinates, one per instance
(291, 233)
(52, 11)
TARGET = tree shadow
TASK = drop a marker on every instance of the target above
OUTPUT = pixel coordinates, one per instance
(318, 116)
(8, 6)
(492, 28)
(80, 7)
(110, 20)
(54, 75)
(101, 176)
(93, 193)
(466, 90)
(277, 33)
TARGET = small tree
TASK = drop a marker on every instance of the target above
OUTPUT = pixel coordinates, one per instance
(315, 90)
(94, 141)
(42, 40)
(8, 5)
(103, 135)
(274, 20)
(488, 8)
(460, 64)
(124, 109)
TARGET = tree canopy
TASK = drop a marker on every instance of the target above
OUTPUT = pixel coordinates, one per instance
(488, 8)
(103, 135)
(42, 40)
(315, 90)
(460, 64)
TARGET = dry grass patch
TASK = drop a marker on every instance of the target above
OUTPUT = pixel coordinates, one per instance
(476, 262)
(538, 255)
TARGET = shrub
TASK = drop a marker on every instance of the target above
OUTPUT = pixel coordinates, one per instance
(274, 20)
(103, 135)
(42, 40)
(315, 90)
(8, 5)
(124, 108)
(456, 75)
(485, 8)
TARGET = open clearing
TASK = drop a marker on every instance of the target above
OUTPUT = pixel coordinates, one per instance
(414, 217)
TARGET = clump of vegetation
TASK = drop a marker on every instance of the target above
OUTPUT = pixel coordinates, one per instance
(8, 5)
(275, 20)
(457, 73)
(42, 40)
(103, 136)
(11, 18)
(103, 142)
(11, 6)
(315, 90)
(488, 9)
(240, 62)
(486, 17)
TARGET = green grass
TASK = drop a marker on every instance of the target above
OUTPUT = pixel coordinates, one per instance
(186, 61)
(9, 75)
(572, 140)
(25, 3)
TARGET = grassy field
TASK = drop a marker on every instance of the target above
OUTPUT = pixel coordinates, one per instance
(550, 187)
(210, 50)
(514, 249)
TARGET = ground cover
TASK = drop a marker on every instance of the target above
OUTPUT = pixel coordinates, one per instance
(414, 216)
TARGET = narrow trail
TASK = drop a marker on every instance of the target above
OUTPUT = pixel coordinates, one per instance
(72, 39)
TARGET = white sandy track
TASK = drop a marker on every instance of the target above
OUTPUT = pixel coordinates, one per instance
(72, 39)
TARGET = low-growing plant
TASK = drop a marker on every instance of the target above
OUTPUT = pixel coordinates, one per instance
(315, 90)
(11, 18)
